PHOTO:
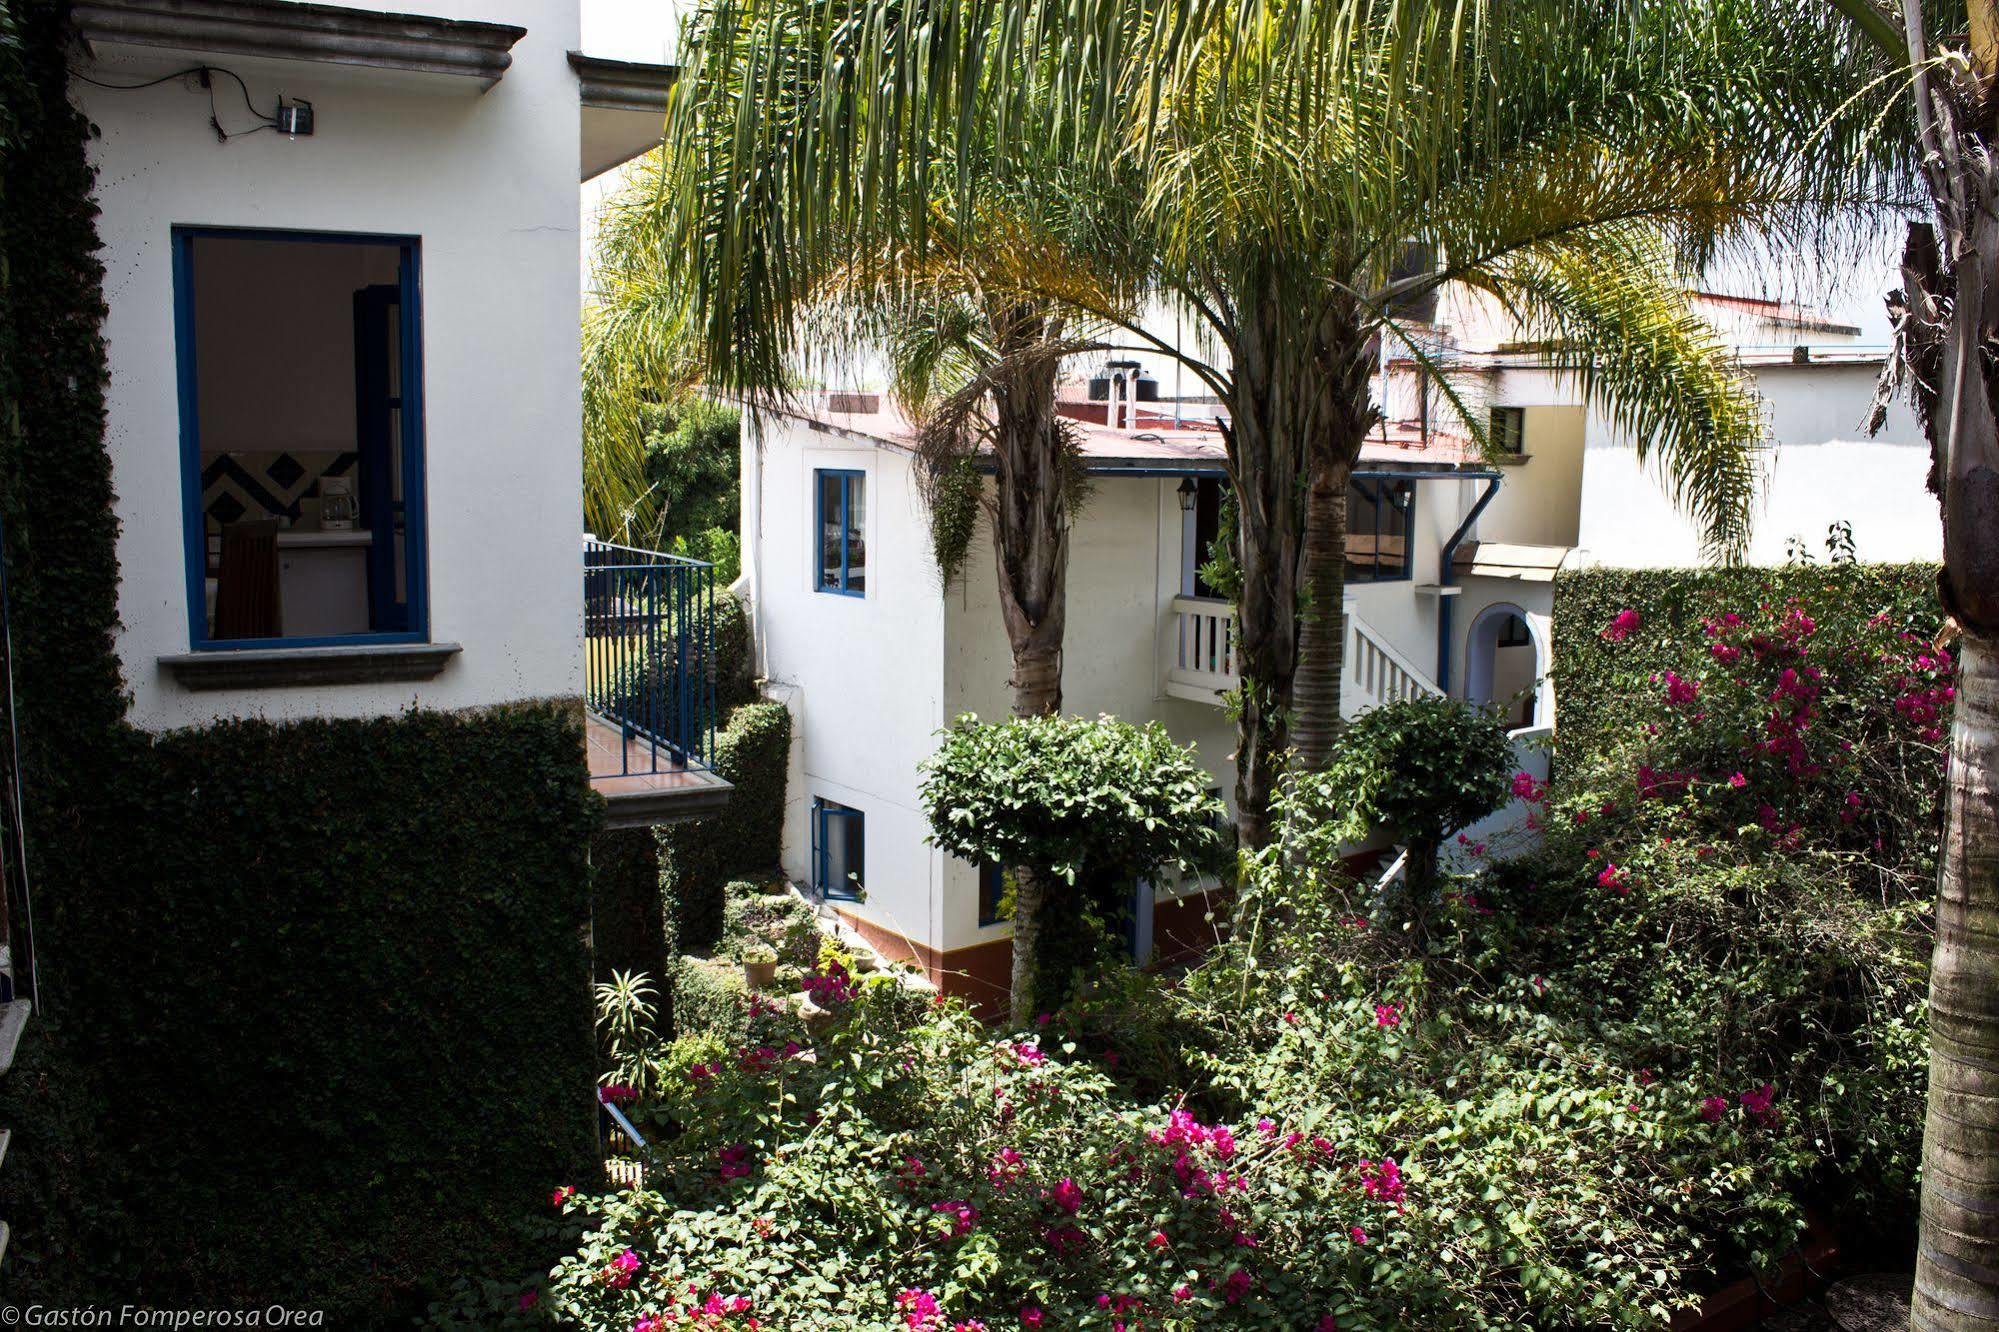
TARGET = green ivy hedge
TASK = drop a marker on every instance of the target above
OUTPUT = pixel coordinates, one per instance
(1593, 682)
(316, 1020)
(627, 925)
(698, 860)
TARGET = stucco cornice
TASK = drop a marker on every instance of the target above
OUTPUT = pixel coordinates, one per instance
(621, 85)
(284, 30)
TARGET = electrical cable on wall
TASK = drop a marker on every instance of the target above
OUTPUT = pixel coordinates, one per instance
(292, 117)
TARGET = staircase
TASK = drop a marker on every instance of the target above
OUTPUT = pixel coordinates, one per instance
(1201, 659)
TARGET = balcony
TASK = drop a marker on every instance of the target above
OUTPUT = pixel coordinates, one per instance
(649, 684)
(1199, 642)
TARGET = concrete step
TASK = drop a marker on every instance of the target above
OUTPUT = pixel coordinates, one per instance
(6, 1136)
(3, 1240)
(13, 1021)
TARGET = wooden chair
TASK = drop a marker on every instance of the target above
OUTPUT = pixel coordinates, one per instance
(247, 602)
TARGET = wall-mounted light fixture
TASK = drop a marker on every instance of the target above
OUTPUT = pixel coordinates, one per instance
(1187, 491)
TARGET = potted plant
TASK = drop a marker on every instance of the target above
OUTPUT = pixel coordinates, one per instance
(759, 966)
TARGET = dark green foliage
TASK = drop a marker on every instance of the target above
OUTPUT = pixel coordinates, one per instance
(692, 461)
(1420, 767)
(779, 920)
(710, 999)
(1071, 795)
(955, 496)
(735, 658)
(698, 860)
(319, 992)
(627, 924)
(311, 988)
(1597, 678)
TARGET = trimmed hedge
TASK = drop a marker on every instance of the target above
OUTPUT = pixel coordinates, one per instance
(316, 1020)
(335, 975)
(1593, 682)
(628, 930)
(698, 860)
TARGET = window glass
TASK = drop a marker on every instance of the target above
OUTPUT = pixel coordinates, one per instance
(839, 850)
(992, 894)
(1378, 518)
(841, 505)
(1509, 429)
(857, 532)
(832, 496)
(301, 446)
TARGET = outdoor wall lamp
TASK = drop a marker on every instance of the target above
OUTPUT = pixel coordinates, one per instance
(1186, 493)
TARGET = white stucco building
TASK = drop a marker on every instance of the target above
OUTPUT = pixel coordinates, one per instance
(341, 250)
(1452, 563)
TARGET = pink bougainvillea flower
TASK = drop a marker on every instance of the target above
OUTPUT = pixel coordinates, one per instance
(562, 1195)
(1616, 878)
(1030, 1316)
(1713, 1108)
(1680, 691)
(1182, 1293)
(1158, 1240)
(1327, 1324)
(1065, 1195)
(1759, 1104)
(1383, 1181)
(650, 1323)
(1358, 1235)
(617, 1093)
(961, 1215)
(1388, 1015)
(919, 1309)
(528, 1300)
(1737, 780)
(1621, 626)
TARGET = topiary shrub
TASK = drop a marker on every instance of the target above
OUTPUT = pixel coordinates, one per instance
(1074, 808)
(1422, 768)
(698, 860)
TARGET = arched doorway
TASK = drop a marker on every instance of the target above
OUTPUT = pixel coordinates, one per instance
(1506, 663)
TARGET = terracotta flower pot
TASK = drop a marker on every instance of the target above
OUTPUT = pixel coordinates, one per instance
(759, 975)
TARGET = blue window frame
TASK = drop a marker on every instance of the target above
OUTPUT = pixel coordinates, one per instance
(839, 851)
(1381, 511)
(840, 531)
(992, 894)
(382, 467)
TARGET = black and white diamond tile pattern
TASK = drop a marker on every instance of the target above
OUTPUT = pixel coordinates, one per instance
(246, 485)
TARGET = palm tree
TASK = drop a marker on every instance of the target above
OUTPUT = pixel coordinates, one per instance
(1946, 58)
(778, 244)
(1269, 165)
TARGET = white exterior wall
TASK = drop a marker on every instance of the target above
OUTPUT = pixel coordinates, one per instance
(1823, 470)
(863, 675)
(1124, 571)
(488, 181)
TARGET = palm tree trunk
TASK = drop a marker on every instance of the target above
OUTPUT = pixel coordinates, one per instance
(1031, 516)
(1322, 631)
(1957, 1259)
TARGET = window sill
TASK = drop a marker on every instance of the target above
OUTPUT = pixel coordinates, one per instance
(280, 668)
(1511, 460)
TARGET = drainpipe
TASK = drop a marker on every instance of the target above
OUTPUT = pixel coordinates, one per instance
(1447, 576)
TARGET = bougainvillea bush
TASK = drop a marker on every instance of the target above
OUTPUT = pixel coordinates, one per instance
(1749, 842)
(1607, 1076)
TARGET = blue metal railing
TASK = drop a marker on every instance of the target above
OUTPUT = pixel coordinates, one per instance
(649, 651)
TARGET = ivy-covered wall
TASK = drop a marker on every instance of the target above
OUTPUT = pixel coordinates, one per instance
(1592, 682)
(316, 1022)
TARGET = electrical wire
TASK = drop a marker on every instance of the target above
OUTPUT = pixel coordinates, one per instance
(207, 73)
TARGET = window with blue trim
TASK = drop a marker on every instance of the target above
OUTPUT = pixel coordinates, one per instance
(1380, 513)
(299, 358)
(839, 851)
(992, 894)
(841, 523)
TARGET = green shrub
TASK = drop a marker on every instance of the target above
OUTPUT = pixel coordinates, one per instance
(711, 1000)
(780, 921)
(1422, 768)
(698, 860)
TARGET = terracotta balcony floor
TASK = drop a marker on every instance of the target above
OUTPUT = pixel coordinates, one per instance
(621, 770)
